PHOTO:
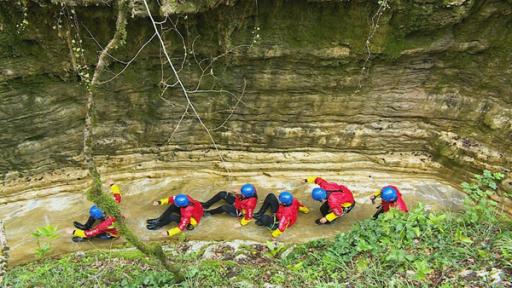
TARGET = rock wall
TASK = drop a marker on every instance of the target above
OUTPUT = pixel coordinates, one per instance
(286, 90)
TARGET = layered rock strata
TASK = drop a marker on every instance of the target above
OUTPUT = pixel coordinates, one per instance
(286, 92)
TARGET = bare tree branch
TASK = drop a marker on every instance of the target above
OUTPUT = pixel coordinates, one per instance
(383, 5)
(181, 85)
(233, 108)
(129, 62)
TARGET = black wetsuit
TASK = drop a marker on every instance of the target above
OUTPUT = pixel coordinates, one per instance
(87, 225)
(228, 208)
(269, 221)
(171, 214)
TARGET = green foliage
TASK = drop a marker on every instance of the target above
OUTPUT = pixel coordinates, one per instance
(23, 24)
(274, 248)
(44, 235)
(483, 185)
(148, 279)
(421, 269)
(504, 245)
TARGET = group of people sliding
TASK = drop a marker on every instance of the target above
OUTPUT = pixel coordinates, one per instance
(283, 209)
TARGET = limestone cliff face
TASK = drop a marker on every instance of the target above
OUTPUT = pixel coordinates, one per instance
(436, 99)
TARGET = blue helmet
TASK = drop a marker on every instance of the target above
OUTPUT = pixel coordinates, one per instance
(388, 194)
(286, 198)
(96, 212)
(248, 190)
(319, 194)
(181, 200)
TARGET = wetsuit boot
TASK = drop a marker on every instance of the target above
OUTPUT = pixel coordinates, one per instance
(106, 236)
(155, 225)
(78, 239)
(152, 221)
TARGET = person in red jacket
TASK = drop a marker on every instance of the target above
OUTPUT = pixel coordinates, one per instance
(238, 205)
(391, 198)
(104, 230)
(338, 199)
(116, 194)
(284, 212)
(183, 210)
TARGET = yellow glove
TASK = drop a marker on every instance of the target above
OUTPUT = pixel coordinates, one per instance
(79, 233)
(331, 216)
(276, 233)
(244, 221)
(163, 201)
(115, 189)
(304, 209)
(374, 196)
(311, 179)
(193, 221)
(173, 231)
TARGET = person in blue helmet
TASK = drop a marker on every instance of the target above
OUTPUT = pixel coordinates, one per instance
(183, 209)
(337, 199)
(95, 211)
(104, 230)
(284, 212)
(391, 198)
(237, 205)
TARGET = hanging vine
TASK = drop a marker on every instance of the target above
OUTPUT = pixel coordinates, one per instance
(23, 24)
(374, 26)
(95, 193)
(4, 251)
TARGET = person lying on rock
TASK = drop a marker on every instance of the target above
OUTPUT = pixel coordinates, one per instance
(237, 205)
(391, 198)
(183, 210)
(284, 212)
(116, 193)
(104, 230)
(337, 199)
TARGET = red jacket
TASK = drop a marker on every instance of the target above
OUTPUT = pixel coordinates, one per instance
(337, 195)
(195, 209)
(106, 226)
(246, 205)
(399, 203)
(287, 215)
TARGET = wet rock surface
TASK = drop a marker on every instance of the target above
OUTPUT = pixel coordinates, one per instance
(24, 216)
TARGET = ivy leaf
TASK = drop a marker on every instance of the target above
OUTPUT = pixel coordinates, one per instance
(499, 176)
(422, 269)
(416, 231)
(363, 246)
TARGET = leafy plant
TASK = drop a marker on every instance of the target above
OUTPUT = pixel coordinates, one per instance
(44, 235)
(504, 245)
(274, 248)
(483, 185)
(421, 269)
(149, 279)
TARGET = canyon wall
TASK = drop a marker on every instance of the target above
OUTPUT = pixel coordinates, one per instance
(279, 84)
